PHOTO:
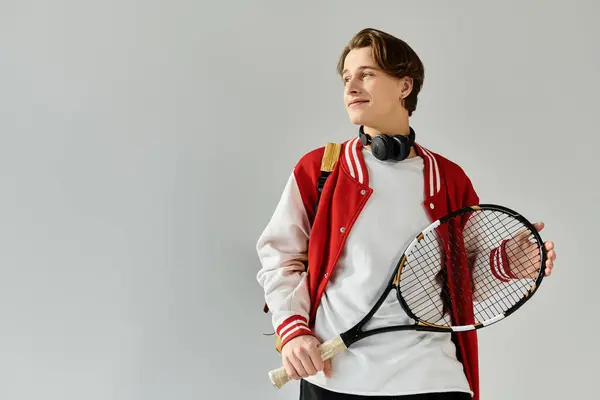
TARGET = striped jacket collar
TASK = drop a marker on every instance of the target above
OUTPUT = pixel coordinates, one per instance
(353, 162)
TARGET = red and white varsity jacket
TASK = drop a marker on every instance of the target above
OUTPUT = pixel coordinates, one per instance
(293, 296)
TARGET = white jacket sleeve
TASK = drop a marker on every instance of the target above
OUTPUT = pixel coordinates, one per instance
(282, 249)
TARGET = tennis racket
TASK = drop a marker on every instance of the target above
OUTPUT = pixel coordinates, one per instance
(497, 249)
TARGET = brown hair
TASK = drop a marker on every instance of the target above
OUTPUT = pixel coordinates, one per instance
(393, 55)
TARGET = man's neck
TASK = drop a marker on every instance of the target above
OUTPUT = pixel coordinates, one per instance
(398, 128)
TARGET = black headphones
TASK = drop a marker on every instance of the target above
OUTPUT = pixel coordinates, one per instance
(388, 147)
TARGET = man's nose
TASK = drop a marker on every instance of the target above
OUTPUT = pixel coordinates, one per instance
(352, 86)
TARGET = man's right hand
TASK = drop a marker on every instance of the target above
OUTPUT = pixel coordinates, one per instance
(301, 358)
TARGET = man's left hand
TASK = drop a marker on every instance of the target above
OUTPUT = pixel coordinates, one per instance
(523, 255)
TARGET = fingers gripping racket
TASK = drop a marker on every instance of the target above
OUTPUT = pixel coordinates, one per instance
(497, 249)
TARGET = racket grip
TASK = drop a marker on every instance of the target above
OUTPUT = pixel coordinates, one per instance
(328, 349)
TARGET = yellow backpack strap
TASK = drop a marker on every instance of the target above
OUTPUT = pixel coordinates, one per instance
(330, 157)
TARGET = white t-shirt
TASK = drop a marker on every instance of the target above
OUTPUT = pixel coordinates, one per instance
(394, 363)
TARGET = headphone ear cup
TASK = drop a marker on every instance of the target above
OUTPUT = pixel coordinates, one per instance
(401, 148)
(381, 147)
(364, 139)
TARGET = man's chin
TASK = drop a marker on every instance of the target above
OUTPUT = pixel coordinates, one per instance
(358, 119)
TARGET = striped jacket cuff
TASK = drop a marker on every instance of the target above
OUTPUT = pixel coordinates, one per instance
(499, 263)
(294, 326)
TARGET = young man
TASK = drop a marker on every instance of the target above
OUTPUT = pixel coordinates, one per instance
(370, 207)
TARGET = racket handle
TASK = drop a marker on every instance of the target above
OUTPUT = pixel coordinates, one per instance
(328, 349)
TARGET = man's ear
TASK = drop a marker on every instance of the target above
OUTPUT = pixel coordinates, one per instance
(406, 86)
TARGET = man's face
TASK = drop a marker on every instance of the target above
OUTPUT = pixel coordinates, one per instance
(372, 97)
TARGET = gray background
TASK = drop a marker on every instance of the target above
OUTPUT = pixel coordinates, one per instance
(145, 144)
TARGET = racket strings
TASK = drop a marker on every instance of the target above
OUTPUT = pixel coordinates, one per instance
(420, 284)
(480, 252)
